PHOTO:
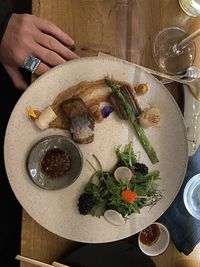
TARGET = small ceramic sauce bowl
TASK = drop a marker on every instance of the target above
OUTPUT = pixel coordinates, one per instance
(154, 240)
(42, 165)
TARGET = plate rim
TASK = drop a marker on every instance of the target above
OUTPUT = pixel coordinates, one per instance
(114, 60)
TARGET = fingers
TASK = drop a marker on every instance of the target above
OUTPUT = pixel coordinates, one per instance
(42, 68)
(51, 43)
(16, 77)
(29, 35)
(50, 28)
(48, 57)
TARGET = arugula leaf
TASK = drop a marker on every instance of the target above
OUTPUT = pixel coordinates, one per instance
(140, 189)
(110, 183)
(126, 155)
(91, 188)
(98, 209)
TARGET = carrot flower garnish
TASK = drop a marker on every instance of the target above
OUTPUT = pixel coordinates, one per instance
(128, 195)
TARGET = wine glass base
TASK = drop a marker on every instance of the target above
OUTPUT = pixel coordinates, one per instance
(167, 60)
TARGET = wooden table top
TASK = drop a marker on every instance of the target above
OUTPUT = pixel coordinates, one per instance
(125, 29)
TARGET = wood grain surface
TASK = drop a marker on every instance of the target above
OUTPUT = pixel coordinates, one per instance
(126, 29)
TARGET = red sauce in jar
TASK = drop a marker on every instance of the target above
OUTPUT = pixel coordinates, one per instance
(55, 163)
(150, 235)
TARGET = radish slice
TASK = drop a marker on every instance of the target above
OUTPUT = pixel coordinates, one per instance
(114, 217)
(46, 116)
(123, 174)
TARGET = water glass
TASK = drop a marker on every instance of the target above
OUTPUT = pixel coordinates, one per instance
(190, 7)
(191, 196)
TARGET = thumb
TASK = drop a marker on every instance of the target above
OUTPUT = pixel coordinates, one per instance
(16, 77)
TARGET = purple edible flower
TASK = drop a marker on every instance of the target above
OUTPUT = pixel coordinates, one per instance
(105, 111)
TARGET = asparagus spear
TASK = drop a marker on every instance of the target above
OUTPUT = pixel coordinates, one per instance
(132, 118)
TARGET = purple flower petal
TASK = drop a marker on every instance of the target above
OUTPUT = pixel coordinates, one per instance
(105, 111)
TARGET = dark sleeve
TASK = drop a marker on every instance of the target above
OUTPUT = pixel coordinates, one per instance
(115, 254)
(7, 7)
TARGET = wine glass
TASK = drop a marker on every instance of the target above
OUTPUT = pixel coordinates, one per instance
(169, 56)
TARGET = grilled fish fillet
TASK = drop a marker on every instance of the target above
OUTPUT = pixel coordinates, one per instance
(80, 119)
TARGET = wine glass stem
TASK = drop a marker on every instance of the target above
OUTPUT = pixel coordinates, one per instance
(177, 48)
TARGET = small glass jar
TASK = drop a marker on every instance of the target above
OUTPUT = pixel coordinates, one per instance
(190, 7)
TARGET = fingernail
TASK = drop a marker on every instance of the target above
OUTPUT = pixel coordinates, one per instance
(72, 42)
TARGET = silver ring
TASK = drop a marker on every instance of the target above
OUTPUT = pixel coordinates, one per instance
(31, 63)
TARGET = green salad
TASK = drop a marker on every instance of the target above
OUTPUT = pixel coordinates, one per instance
(126, 188)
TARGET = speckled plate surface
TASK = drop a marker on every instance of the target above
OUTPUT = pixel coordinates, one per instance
(37, 153)
(57, 210)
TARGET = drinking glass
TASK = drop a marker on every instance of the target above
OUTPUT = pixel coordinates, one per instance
(190, 7)
(168, 58)
(191, 196)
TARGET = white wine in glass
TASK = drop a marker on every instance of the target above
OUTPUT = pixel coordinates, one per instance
(169, 59)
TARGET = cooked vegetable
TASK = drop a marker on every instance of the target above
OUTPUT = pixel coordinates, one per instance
(132, 118)
(142, 88)
(133, 93)
(118, 107)
(45, 117)
(131, 101)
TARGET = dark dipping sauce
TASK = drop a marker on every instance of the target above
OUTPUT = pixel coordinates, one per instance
(55, 163)
(150, 235)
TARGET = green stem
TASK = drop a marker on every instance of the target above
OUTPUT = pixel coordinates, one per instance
(91, 165)
(98, 161)
(132, 118)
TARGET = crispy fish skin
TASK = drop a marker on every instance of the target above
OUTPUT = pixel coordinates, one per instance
(81, 121)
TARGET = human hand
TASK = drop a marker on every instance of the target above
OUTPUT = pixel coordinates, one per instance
(29, 35)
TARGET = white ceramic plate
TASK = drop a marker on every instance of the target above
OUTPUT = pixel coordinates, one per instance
(57, 210)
